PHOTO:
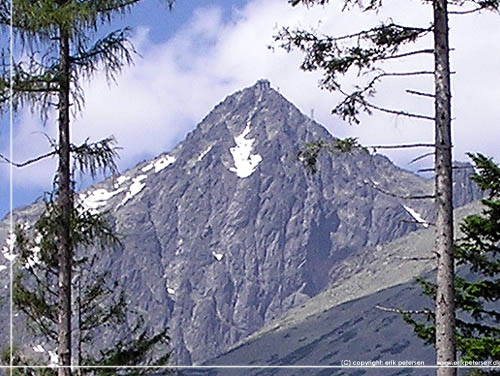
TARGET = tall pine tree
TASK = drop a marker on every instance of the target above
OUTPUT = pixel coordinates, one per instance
(366, 51)
(60, 48)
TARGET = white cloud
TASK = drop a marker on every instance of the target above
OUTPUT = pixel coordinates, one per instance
(165, 94)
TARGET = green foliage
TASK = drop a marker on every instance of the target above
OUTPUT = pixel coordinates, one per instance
(131, 353)
(38, 24)
(476, 298)
(62, 46)
(309, 155)
(363, 52)
(336, 56)
(19, 360)
(98, 302)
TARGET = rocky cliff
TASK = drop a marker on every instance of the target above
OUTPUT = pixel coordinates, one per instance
(228, 230)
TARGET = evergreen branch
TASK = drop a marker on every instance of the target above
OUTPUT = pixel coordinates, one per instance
(327, 54)
(488, 176)
(368, 33)
(309, 156)
(349, 108)
(105, 6)
(97, 156)
(113, 52)
(33, 83)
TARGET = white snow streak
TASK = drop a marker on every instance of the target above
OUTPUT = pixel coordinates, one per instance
(121, 179)
(38, 349)
(245, 162)
(163, 162)
(134, 189)
(2, 267)
(170, 290)
(53, 358)
(93, 200)
(34, 258)
(205, 152)
(218, 256)
(148, 167)
(11, 240)
(159, 164)
(417, 216)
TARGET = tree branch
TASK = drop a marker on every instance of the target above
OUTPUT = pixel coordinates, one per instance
(404, 311)
(425, 223)
(409, 197)
(401, 146)
(30, 161)
(421, 157)
(420, 93)
(423, 258)
(399, 112)
(453, 167)
(470, 11)
(405, 54)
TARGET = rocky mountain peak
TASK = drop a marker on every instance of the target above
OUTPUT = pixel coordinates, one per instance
(228, 230)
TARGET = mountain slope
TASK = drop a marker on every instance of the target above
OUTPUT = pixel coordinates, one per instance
(343, 322)
(228, 230)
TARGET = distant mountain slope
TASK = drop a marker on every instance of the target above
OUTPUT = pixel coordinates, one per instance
(228, 231)
(355, 331)
(344, 323)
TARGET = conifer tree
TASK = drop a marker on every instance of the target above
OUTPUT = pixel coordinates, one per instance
(61, 48)
(98, 304)
(365, 52)
(477, 290)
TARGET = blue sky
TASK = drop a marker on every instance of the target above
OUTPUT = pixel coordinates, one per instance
(202, 51)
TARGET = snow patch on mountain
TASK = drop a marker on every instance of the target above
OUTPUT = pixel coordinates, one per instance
(416, 216)
(38, 349)
(245, 162)
(95, 199)
(149, 167)
(7, 250)
(34, 258)
(160, 164)
(121, 179)
(53, 358)
(218, 256)
(136, 186)
(203, 153)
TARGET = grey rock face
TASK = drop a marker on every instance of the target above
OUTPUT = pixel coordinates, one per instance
(228, 230)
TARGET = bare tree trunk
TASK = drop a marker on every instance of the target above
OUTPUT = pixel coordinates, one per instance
(65, 207)
(445, 297)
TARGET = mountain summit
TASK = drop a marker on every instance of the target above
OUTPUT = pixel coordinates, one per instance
(228, 230)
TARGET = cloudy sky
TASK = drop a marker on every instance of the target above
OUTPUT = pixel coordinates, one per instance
(202, 51)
